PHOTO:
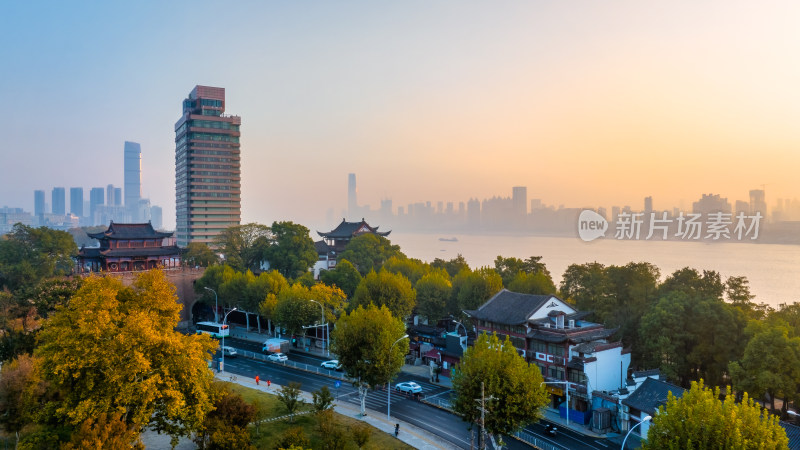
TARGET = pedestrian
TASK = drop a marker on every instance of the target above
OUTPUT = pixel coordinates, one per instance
(269, 383)
(396, 429)
(257, 379)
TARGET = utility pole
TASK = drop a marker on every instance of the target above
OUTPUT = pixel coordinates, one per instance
(482, 435)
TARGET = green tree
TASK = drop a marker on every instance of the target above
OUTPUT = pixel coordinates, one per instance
(386, 288)
(471, 289)
(294, 309)
(700, 420)
(243, 246)
(770, 365)
(20, 384)
(291, 251)
(514, 384)
(361, 433)
(28, 255)
(114, 349)
(344, 276)
(412, 269)
(289, 395)
(585, 285)
(323, 399)
(366, 341)
(293, 438)
(433, 292)
(369, 251)
(226, 427)
(199, 254)
(532, 283)
(453, 266)
(509, 268)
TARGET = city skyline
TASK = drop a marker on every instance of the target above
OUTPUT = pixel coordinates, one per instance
(585, 105)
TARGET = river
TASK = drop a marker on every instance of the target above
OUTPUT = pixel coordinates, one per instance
(773, 270)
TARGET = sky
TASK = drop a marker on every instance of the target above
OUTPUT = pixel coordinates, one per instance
(586, 103)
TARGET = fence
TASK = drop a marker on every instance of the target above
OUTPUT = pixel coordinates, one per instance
(535, 441)
(306, 367)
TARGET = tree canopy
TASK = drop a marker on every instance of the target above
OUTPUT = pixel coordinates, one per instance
(344, 276)
(386, 288)
(113, 349)
(199, 254)
(363, 341)
(471, 289)
(369, 251)
(700, 420)
(291, 251)
(433, 295)
(243, 246)
(28, 255)
(514, 385)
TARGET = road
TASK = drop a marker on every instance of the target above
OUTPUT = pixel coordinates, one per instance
(436, 421)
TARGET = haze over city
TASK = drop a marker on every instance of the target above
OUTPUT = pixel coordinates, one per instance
(583, 103)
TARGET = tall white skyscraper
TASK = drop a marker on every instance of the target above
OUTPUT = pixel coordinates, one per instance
(352, 199)
(133, 179)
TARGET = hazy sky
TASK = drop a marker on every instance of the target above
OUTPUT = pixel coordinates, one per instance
(585, 102)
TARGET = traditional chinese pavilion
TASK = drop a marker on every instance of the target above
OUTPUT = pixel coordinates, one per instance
(129, 246)
(337, 239)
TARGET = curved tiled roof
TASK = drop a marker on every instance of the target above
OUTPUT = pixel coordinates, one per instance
(351, 229)
(509, 308)
(129, 231)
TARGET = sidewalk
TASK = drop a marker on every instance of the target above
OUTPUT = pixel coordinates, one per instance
(253, 336)
(410, 434)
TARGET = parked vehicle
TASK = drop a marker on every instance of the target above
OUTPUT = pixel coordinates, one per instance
(229, 352)
(409, 386)
(331, 365)
(550, 429)
(278, 357)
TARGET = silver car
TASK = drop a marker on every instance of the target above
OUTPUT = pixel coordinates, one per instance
(278, 357)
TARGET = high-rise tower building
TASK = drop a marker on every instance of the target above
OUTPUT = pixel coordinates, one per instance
(38, 203)
(59, 197)
(208, 183)
(133, 179)
(76, 201)
(96, 198)
(352, 196)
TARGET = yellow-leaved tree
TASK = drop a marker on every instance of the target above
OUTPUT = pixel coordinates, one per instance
(114, 350)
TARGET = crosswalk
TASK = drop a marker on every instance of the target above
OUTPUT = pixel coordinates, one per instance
(377, 399)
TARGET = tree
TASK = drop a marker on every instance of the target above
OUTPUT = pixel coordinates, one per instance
(770, 365)
(700, 420)
(514, 384)
(453, 266)
(361, 433)
(289, 395)
(509, 268)
(369, 251)
(226, 427)
(20, 384)
(532, 283)
(323, 399)
(114, 349)
(28, 255)
(104, 432)
(366, 341)
(291, 251)
(433, 292)
(471, 289)
(413, 269)
(344, 276)
(293, 438)
(386, 288)
(585, 285)
(199, 254)
(294, 310)
(243, 246)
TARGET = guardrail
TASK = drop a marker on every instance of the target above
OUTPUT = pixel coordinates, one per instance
(301, 366)
(531, 439)
(439, 402)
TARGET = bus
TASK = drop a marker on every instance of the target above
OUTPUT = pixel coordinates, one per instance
(216, 330)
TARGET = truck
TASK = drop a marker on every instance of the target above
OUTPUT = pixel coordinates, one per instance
(276, 346)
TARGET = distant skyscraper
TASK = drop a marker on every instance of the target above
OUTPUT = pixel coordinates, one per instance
(117, 196)
(96, 198)
(648, 204)
(758, 202)
(38, 203)
(133, 179)
(519, 198)
(156, 216)
(208, 186)
(59, 197)
(76, 201)
(110, 195)
(352, 196)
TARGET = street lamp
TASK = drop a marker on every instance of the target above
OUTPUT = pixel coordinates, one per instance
(322, 313)
(389, 385)
(223, 339)
(566, 384)
(645, 419)
(216, 316)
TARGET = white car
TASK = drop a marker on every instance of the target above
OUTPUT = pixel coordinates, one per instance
(278, 357)
(229, 352)
(331, 365)
(409, 386)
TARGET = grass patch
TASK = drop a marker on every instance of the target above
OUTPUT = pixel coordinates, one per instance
(271, 431)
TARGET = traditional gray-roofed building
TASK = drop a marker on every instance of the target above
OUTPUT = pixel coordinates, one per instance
(645, 401)
(793, 433)
(128, 246)
(336, 240)
(550, 333)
